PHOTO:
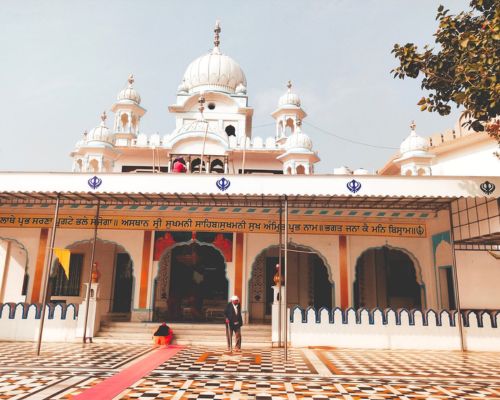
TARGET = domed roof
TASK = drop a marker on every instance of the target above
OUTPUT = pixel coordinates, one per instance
(414, 142)
(298, 140)
(100, 133)
(289, 98)
(129, 93)
(214, 71)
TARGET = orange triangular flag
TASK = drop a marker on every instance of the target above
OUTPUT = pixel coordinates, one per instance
(63, 255)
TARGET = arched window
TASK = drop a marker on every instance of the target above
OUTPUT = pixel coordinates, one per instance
(230, 130)
(301, 170)
(217, 167)
(195, 165)
(289, 127)
(94, 166)
(124, 119)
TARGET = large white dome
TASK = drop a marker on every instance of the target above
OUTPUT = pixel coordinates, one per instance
(214, 71)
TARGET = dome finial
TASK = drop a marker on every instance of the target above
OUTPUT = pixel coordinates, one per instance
(289, 86)
(217, 31)
(131, 79)
(413, 125)
(103, 117)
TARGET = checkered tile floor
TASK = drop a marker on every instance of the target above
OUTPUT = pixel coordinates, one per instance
(65, 370)
(411, 363)
(269, 361)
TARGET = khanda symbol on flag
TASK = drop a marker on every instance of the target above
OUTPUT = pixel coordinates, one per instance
(63, 256)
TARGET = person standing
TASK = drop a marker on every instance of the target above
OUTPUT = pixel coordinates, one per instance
(233, 322)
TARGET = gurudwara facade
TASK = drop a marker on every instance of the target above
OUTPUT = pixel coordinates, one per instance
(183, 221)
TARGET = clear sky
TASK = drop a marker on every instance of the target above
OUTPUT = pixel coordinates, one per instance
(63, 62)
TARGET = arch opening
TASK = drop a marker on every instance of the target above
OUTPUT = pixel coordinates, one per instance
(191, 284)
(230, 130)
(115, 274)
(387, 277)
(310, 282)
(217, 166)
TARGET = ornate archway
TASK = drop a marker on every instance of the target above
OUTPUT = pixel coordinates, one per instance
(116, 269)
(388, 277)
(310, 280)
(191, 283)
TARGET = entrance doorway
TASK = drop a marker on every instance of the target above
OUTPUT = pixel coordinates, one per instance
(386, 277)
(309, 283)
(122, 298)
(191, 284)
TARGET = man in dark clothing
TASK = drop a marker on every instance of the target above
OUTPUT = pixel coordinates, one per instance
(233, 322)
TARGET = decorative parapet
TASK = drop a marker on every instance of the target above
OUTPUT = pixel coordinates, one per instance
(21, 321)
(392, 329)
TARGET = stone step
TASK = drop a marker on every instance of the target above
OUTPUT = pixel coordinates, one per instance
(135, 335)
(148, 332)
(184, 342)
(179, 328)
(174, 325)
(184, 333)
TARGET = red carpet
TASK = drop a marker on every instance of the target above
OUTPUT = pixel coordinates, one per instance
(112, 387)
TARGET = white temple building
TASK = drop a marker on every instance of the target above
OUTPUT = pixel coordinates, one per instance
(170, 226)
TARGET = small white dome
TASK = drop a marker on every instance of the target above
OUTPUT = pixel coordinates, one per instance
(100, 133)
(298, 141)
(129, 93)
(414, 142)
(214, 71)
(289, 98)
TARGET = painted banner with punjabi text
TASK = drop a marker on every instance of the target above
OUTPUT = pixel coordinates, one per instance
(216, 224)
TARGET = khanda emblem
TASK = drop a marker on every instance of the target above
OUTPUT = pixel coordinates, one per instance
(353, 186)
(487, 187)
(223, 184)
(94, 182)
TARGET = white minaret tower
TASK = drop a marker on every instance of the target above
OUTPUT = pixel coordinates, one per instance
(128, 114)
(414, 157)
(288, 113)
(299, 158)
(95, 152)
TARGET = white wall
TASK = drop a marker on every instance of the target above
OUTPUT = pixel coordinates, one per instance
(473, 160)
(29, 240)
(479, 279)
(55, 329)
(434, 335)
